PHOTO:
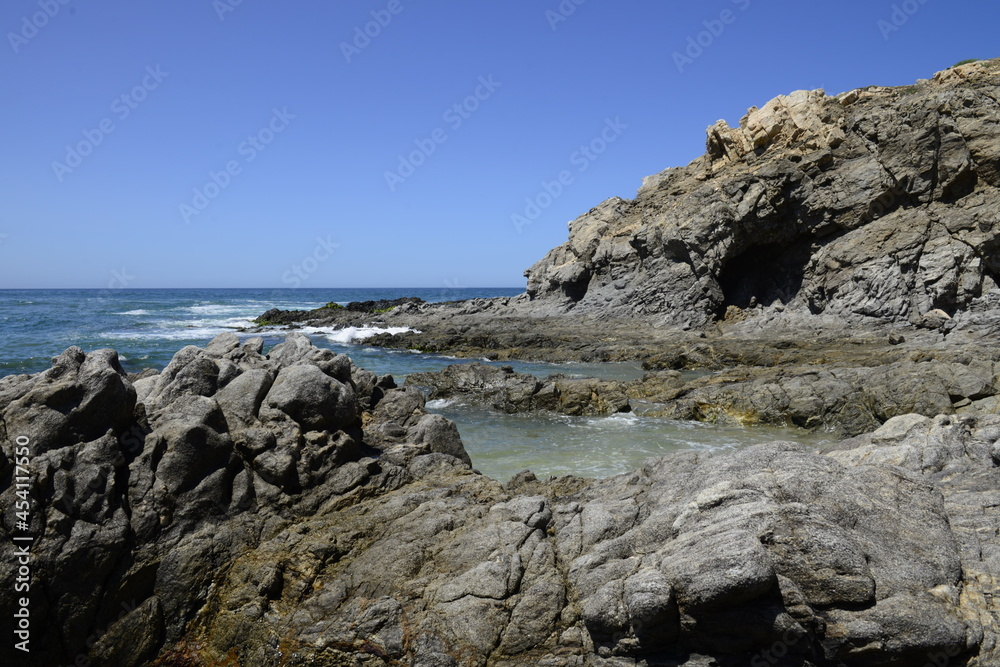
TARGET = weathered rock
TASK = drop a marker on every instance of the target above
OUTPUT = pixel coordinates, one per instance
(878, 206)
(270, 535)
(506, 391)
(139, 506)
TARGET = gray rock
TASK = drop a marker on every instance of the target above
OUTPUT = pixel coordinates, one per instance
(440, 435)
(507, 391)
(311, 398)
(143, 504)
(879, 210)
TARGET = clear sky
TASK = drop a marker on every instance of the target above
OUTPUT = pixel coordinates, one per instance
(252, 143)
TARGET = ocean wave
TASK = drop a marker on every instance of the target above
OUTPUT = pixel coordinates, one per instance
(138, 311)
(350, 335)
(619, 419)
(183, 330)
(215, 309)
(441, 403)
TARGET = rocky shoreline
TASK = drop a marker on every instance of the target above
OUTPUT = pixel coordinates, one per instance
(831, 263)
(290, 508)
(834, 260)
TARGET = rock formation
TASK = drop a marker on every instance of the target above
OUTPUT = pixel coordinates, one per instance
(144, 492)
(877, 205)
(506, 391)
(292, 509)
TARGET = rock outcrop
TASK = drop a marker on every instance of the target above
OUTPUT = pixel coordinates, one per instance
(142, 493)
(839, 396)
(879, 205)
(290, 508)
(506, 391)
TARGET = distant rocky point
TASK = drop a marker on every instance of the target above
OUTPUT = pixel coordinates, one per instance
(878, 207)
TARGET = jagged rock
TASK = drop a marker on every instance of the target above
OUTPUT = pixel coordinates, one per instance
(726, 555)
(142, 504)
(507, 391)
(876, 206)
(248, 541)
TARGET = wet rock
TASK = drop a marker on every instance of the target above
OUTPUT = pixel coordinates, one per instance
(507, 391)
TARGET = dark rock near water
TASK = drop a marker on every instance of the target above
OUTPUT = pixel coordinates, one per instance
(381, 305)
(507, 391)
(142, 494)
(238, 517)
(334, 313)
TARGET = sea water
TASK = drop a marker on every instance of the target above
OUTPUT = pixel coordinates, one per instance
(147, 327)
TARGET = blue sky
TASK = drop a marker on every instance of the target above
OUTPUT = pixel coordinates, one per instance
(205, 143)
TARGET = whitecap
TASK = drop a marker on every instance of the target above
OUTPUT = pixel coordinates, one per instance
(618, 419)
(441, 403)
(138, 311)
(354, 334)
(214, 309)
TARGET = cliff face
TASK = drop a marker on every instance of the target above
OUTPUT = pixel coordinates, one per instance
(877, 204)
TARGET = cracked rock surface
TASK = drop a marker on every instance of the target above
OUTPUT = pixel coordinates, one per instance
(212, 514)
(880, 204)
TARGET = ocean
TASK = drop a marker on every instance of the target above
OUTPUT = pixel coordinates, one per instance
(147, 327)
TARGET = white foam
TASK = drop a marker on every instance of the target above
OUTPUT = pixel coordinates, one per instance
(349, 335)
(184, 330)
(138, 311)
(616, 420)
(441, 403)
(215, 309)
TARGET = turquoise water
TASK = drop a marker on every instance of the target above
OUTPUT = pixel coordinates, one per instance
(147, 327)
